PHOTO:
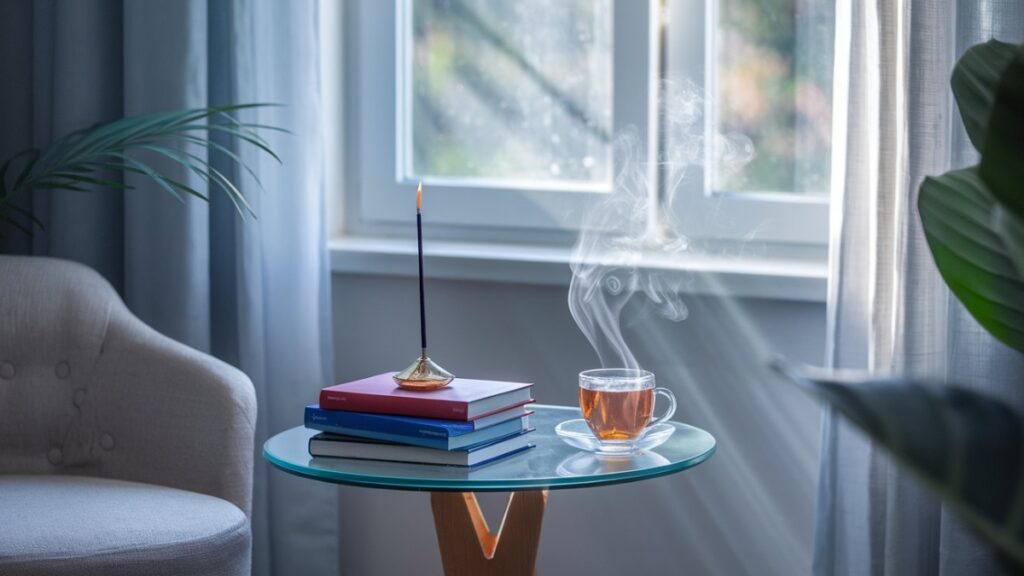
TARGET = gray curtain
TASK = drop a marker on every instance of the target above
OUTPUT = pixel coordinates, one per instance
(253, 292)
(889, 309)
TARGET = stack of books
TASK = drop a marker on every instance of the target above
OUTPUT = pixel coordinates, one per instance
(467, 423)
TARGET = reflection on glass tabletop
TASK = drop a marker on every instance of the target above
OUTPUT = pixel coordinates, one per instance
(550, 464)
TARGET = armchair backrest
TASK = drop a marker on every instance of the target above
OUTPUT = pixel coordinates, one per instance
(87, 388)
(54, 317)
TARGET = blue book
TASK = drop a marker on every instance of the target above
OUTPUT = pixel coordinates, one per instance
(335, 446)
(426, 432)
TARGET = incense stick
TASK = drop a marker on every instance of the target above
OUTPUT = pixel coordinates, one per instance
(419, 242)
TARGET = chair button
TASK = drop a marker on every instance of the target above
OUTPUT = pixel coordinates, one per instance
(62, 370)
(7, 371)
(79, 398)
(107, 442)
(55, 456)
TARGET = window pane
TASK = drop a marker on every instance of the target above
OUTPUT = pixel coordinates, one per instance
(517, 91)
(774, 84)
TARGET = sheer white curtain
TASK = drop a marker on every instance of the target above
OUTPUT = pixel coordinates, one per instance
(888, 307)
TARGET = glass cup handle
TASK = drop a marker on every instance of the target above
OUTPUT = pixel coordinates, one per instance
(671, 406)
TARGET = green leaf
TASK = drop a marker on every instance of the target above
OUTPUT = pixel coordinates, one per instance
(967, 447)
(56, 184)
(1003, 154)
(6, 218)
(27, 170)
(957, 214)
(203, 168)
(210, 144)
(24, 213)
(233, 193)
(975, 81)
(247, 136)
(7, 164)
(166, 183)
(83, 179)
(1011, 229)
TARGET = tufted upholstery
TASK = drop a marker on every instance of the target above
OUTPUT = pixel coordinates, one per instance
(87, 389)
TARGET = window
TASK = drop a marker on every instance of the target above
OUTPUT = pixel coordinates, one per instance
(511, 94)
(772, 80)
(765, 67)
(508, 112)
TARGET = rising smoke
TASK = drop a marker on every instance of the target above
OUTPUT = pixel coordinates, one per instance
(618, 234)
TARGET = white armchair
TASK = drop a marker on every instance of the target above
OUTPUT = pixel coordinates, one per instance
(121, 450)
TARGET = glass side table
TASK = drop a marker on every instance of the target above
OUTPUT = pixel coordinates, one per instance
(468, 545)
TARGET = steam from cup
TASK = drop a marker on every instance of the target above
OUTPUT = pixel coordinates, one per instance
(617, 234)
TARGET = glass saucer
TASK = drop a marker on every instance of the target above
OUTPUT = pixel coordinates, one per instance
(577, 434)
(582, 464)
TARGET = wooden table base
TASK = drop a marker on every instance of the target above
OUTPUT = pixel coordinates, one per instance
(468, 547)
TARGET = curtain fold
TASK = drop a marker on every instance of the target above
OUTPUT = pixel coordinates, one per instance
(253, 291)
(888, 308)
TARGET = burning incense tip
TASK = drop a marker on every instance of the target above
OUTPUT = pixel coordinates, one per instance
(419, 197)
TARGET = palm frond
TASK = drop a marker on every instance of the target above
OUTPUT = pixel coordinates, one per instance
(72, 161)
(212, 145)
(25, 214)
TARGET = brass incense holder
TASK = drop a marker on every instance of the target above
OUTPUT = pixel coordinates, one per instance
(423, 374)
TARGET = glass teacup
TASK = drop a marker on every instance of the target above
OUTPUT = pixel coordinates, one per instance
(618, 404)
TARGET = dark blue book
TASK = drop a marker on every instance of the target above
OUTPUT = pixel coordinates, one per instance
(338, 446)
(426, 432)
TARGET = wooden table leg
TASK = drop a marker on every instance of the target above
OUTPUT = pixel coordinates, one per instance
(468, 547)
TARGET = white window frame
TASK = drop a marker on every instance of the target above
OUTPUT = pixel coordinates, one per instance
(461, 208)
(378, 201)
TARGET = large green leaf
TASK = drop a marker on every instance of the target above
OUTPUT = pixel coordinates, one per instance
(966, 447)
(1011, 229)
(958, 212)
(975, 81)
(1003, 155)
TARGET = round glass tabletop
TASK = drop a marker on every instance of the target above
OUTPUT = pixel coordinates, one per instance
(551, 464)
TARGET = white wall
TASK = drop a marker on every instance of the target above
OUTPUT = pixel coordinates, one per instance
(748, 510)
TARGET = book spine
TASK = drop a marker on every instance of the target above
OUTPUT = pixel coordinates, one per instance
(435, 443)
(395, 405)
(505, 455)
(497, 410)
(316, 417)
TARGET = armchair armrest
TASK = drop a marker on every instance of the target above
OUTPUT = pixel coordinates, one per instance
(167, 414)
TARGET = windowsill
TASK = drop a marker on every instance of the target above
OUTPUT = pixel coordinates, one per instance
(772, 278)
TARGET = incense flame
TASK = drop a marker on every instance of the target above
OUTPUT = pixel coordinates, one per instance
(419, 197)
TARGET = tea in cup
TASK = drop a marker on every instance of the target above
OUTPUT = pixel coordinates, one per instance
(618, 403)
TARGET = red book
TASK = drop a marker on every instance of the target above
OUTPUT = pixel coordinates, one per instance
(462, 399)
